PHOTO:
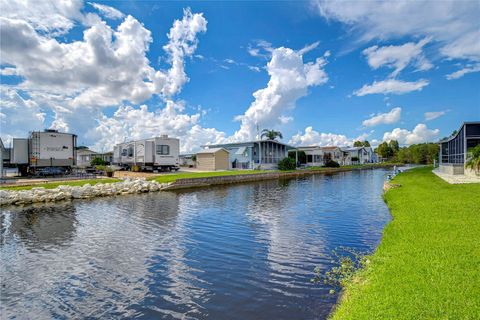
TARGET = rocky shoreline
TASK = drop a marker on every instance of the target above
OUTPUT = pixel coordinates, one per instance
(40, 194)
(141, 185)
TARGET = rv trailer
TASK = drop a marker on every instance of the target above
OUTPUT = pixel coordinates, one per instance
(158, 153)
(42, 149)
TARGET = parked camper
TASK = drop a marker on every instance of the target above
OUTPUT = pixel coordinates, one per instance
(158, 153)
(43, 149)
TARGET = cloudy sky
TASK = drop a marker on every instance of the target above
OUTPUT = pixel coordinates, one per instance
(321, 72)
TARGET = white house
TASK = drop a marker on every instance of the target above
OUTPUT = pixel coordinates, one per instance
(315, 155)
(85, 156)
(357, 155)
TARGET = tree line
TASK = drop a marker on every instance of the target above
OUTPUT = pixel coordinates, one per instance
(422, 153)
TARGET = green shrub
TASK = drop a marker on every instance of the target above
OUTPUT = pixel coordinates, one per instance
(97, 162)
(474, 159)
(332, 164)
(287, 164)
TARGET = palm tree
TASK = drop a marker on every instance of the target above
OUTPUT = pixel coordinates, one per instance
(474, 161)
(271, 134)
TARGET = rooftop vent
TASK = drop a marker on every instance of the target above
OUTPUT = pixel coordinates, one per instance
(51, 130)
(164, 136)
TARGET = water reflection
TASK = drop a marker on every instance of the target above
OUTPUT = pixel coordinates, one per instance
(239, 252)
(40, 227)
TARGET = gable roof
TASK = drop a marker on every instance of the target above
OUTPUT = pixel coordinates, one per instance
(211, 150)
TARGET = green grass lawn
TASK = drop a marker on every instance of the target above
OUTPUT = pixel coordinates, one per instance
(428, 263)
(52, 185)
(183, 175)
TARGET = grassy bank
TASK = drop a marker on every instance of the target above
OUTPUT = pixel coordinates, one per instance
(427, 265)
(183, 175)
(188, 175)
(172, 177)
(52, 185)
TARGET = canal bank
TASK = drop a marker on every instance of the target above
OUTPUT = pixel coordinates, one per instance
(23, 195)
(242, 251)
(426, 266)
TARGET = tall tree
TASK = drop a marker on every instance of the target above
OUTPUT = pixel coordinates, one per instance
(358, 144)
(271, 134)
(384, 150)
(361, 144)
(393, 144)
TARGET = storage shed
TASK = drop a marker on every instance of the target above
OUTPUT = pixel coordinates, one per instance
(213, 159)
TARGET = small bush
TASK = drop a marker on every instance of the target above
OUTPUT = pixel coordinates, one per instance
(97, 162)
(331, 164)
(287, 164)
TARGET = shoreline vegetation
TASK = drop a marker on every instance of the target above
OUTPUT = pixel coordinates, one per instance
(173, 177)
(426, 266)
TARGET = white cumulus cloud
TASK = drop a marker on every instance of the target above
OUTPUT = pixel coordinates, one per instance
(390, 117)
(290, 79)
(391, 86)
(310, 137)
(108, 67)
(50, 17)
(137, 123)
(419, 134)
(17, 114)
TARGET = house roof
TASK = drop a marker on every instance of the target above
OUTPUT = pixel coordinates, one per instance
(86, 151)
(458, 131)
(352, 148)
(211, 150)
(329, 148)
(245, 143)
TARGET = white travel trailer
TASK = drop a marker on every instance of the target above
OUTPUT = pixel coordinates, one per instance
(42, 149)
(158, 153)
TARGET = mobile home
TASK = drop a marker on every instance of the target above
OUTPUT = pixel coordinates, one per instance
(259, 154)
(41, 149)
(158, 153)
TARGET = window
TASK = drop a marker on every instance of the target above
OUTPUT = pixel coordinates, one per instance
(124, 152)
(130, 151)
(163, 149)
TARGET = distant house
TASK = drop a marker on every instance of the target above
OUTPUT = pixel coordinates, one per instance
(264, 154)
(357, 155)
(316, 156)
(213, 159)
(186, 160)
(85, 156)
(453, 153)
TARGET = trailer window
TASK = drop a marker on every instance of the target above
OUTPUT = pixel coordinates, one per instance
(163, 149)
(124, 152)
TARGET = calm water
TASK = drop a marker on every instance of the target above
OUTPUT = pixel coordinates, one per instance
(239, 252)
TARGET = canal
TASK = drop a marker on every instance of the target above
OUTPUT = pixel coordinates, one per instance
(244, 251)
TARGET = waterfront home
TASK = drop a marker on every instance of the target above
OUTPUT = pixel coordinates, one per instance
(186, 160)
(453, 153)
(213, 159)
(315, 155)
(357, 155)
(258, 154)
(85, 156)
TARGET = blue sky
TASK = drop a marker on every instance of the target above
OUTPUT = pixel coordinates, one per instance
(323, 72)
